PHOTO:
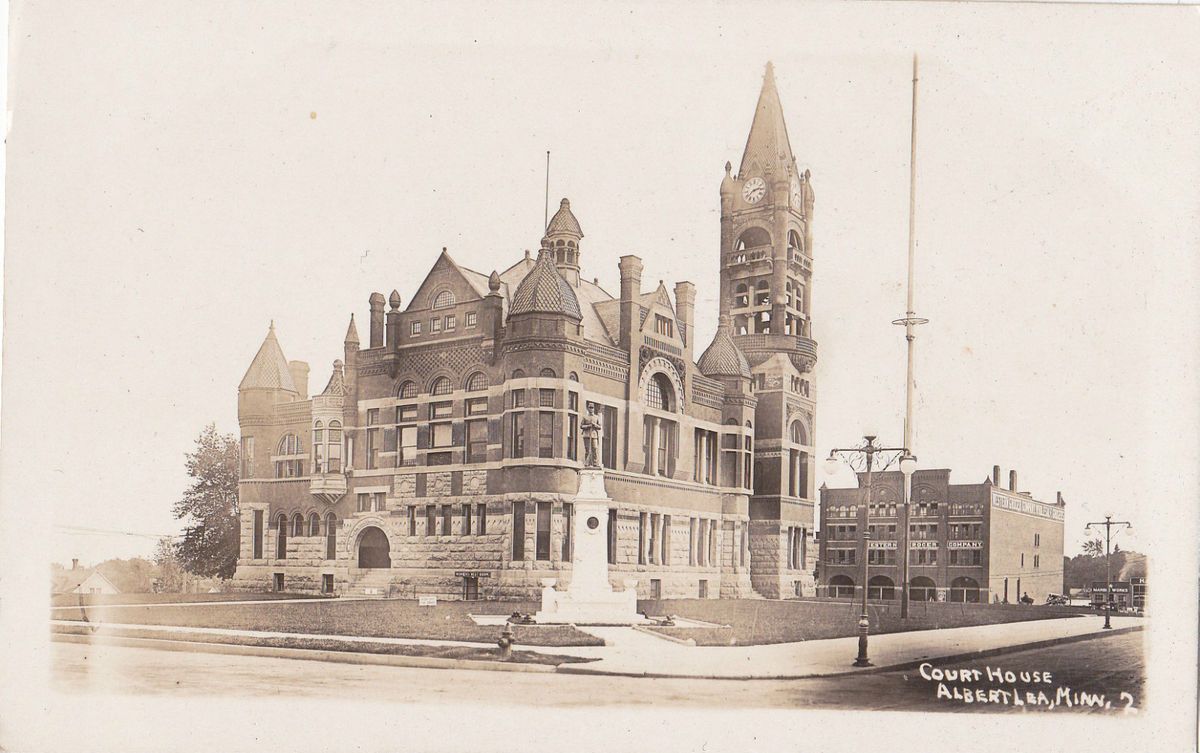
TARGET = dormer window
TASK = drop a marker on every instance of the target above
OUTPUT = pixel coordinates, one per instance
(444, 299)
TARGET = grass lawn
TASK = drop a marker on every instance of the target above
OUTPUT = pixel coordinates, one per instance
(367, 618)
(329, 644)
(752, 621)
(71, 600)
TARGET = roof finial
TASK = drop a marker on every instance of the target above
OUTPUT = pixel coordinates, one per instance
(770, 74)
(271, 328)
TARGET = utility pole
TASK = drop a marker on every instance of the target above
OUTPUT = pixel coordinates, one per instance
(1108, 524)
(909, 321)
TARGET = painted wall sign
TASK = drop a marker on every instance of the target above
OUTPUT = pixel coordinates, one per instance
(882, 545)
(964, 545)
(922, 545)
(1027, 506)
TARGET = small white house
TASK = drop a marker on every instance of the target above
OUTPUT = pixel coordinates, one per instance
(82, 580)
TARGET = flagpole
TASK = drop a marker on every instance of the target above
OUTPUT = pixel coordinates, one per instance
(909, 321)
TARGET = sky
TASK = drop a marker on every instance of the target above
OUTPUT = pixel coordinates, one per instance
(182, 174)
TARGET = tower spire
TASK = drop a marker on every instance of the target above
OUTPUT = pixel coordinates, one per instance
(767, 148)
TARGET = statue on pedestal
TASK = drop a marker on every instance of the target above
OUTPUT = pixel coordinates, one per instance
(593, 434)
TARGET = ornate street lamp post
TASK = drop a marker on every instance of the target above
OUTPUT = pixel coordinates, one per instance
(1108, 524)
(908, 464)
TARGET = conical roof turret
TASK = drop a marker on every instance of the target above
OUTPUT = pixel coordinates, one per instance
(544, 291)
(269, 369)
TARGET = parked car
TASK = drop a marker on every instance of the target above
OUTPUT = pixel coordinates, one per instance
(1057, 600)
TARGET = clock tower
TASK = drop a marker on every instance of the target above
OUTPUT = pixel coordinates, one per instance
(766, 293)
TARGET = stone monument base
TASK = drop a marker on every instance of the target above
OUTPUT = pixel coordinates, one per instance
(596, 608)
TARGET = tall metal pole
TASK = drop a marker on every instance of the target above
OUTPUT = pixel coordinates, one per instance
(546, 205)
(864, 622)
(909, 321)
(1108, 524)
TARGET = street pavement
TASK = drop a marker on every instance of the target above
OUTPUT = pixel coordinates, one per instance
(1103, 664)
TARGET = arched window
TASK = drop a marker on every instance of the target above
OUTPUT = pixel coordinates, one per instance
(518, 374)
(573, 376)
(444, 299)
(408, 390)
(330, 536)
(333, 445)
(797, 433)
(297, 525)
(314, 524)
(762, 293)
(753, 238)
(477, 381)
(440, 386)
(547, 373)
(659, 392)
(881, 587)
(289, 460)
(795, 245)
(281, 533)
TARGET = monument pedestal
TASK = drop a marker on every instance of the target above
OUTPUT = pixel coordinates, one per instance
(590, 599)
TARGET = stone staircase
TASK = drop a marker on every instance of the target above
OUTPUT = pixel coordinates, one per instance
(371, 583)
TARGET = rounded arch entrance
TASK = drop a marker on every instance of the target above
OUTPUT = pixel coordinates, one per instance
(881, 587)
(921, 588)
(964, 589)
(374, 551)
(841, 586)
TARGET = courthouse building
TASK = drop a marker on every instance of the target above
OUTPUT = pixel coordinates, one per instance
(966, 542)
(442, 455)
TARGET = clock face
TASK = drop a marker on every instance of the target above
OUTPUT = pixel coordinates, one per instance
(797, 195)
(754, 190)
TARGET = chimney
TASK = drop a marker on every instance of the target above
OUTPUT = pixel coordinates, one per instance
(299, 372)
(685, 310)
(377, 302)
(74, 563)
(631, 286)
(995, 475)
(1060, 501)
(1012, 481)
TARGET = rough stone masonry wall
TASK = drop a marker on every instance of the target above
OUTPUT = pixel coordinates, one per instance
(767, 558)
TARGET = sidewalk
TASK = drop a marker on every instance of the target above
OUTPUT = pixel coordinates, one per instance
(634, 653)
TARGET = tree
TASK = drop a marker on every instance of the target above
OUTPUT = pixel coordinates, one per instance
(210, 505)
(170, 574)
(1094, 548)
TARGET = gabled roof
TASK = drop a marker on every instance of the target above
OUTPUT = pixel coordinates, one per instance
(768, 145)
(269, 369)
(545, 291)
(476, 281)
(70, 580)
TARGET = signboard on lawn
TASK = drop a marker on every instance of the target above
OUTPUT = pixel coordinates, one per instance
(427, 601)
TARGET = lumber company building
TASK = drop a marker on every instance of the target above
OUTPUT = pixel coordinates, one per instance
(966, 542)
(442, 455)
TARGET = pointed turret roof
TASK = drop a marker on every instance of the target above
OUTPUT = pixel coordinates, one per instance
(352, 332)
(269, 369)
(564, 221)
(337, 381)
(722, 358)
(767, 146)
(545, 291)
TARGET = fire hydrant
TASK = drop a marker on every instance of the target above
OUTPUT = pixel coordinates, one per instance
(506, 641)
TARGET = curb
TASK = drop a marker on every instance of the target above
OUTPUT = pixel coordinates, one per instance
(342, 657)
(568, 669)
(691, 642)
